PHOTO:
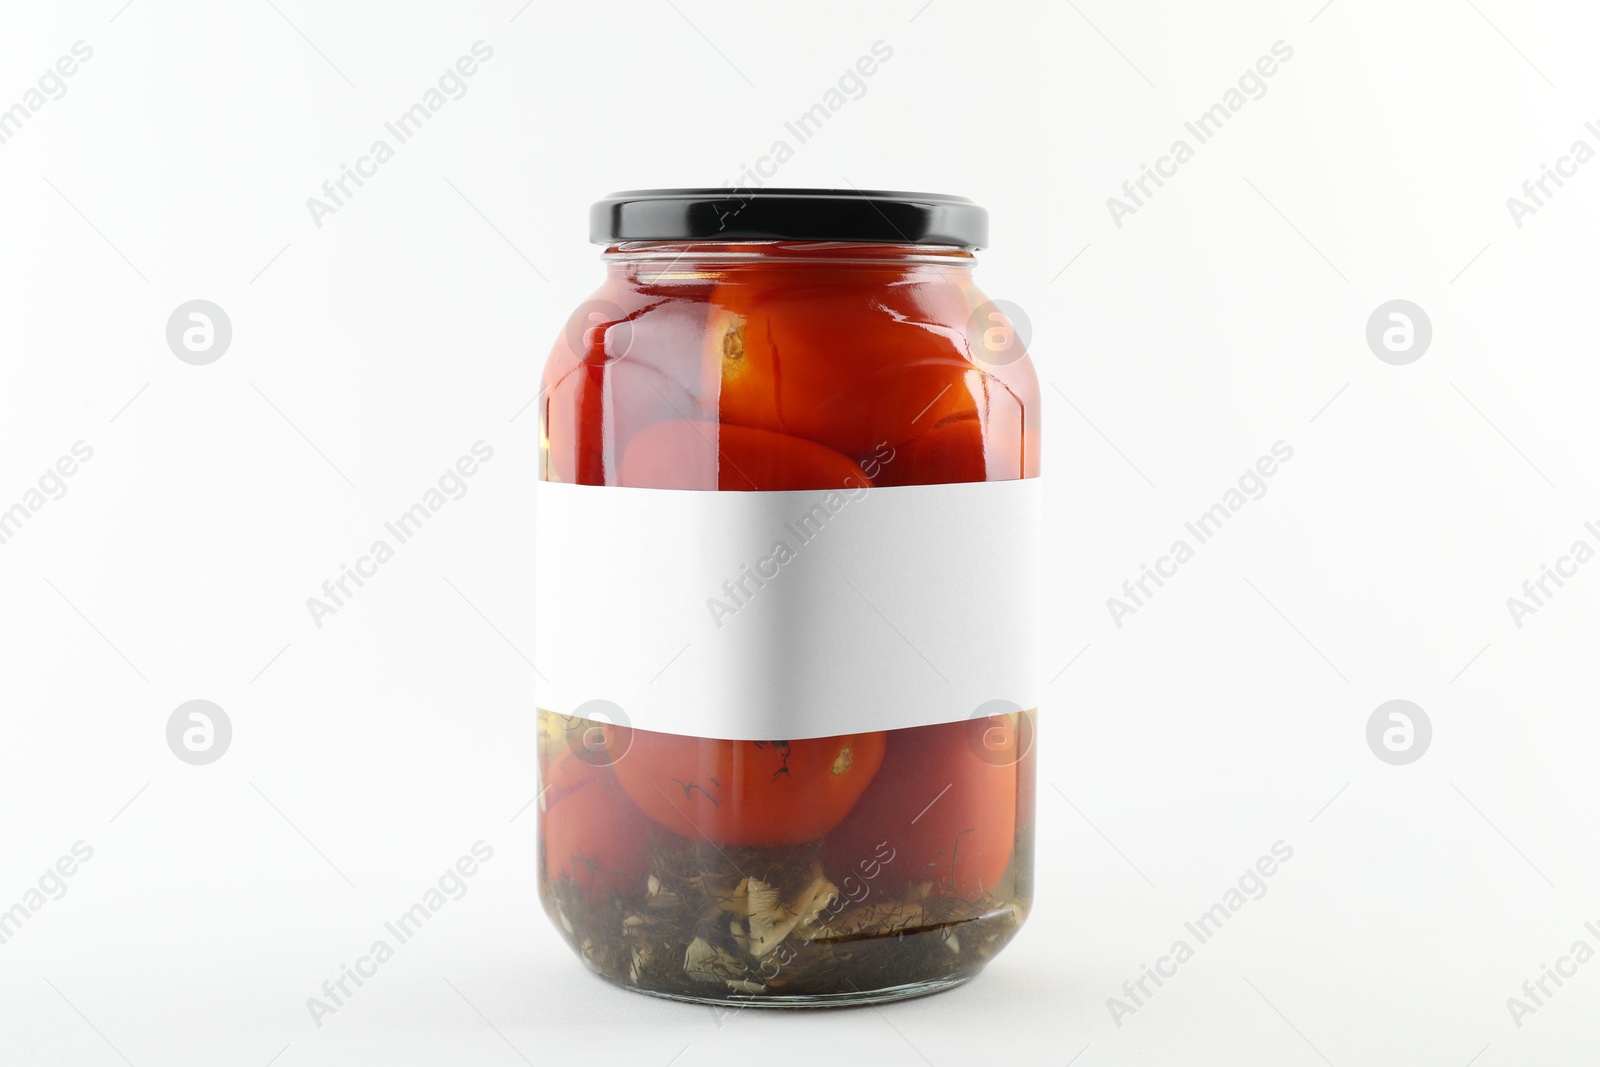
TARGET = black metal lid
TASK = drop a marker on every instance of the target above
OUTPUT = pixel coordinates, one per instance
(788, 215)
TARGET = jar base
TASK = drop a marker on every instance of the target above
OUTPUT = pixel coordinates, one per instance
(851, 999)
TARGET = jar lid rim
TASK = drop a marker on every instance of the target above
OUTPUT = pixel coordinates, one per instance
(788, 214)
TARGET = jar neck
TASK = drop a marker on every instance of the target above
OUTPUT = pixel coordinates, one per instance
(657, 259)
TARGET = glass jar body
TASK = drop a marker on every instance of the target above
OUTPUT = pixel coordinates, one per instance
(805, 870)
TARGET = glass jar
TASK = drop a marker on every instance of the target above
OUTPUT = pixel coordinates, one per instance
(787, 556)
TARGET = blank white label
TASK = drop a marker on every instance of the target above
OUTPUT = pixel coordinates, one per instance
(786, 615)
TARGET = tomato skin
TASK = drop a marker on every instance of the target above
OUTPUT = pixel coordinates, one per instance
(703, 455)
(952, 452)
(959, 837)
(818, 361)
(762, 793)
(617, 366)
(594, 837)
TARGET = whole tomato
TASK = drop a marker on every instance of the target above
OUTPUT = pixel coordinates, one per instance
(764, 793)
(945, 801)
(818, 360)
(952, 452)
(628, 357)
(595, 838)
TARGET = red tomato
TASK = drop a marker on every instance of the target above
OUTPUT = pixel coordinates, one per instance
(703, 455)
(819, 361)
(1008, 397)
(999, 445)
(595, 838)
(764, 793)
(952, 452)
(949, 814)
(627, 358)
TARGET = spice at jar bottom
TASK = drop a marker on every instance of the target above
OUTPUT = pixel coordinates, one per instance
(786, 580)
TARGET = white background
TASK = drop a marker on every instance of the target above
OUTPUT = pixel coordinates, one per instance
(368, 354)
